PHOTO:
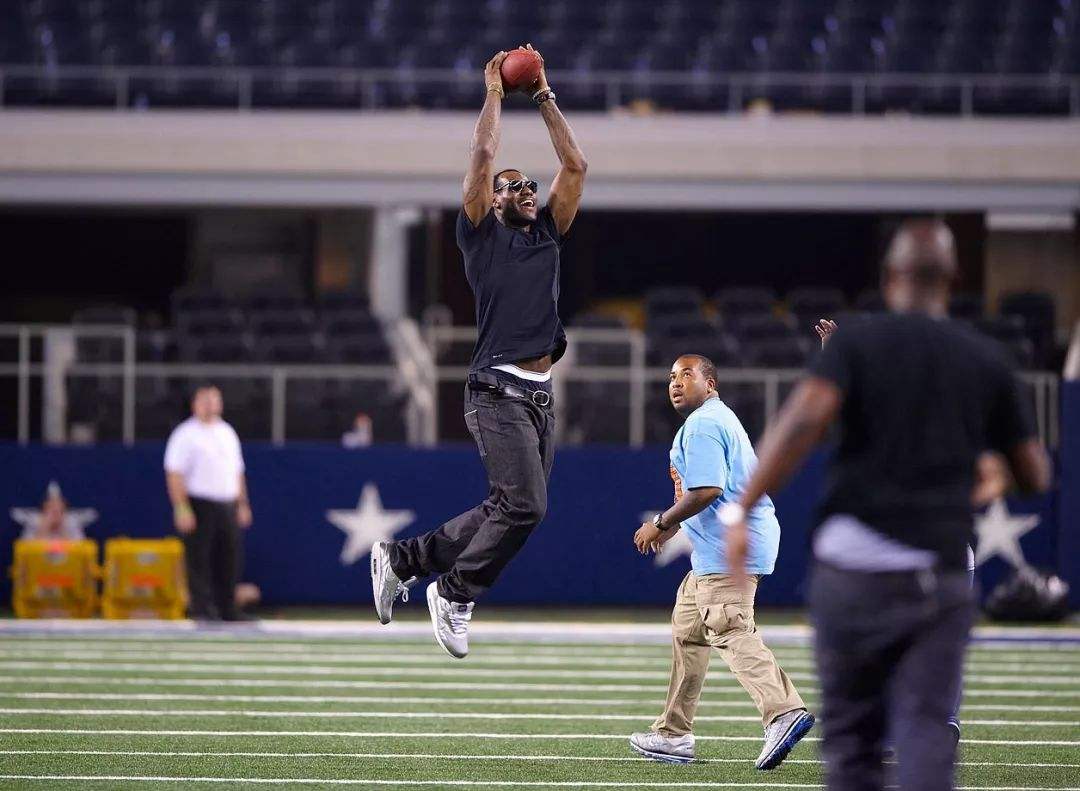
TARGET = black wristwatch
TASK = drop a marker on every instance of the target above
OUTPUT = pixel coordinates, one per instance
(658, 522)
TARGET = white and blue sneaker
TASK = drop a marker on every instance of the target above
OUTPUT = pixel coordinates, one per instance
(781, 736)
(450, 622)
(668, 749)
(385, 584)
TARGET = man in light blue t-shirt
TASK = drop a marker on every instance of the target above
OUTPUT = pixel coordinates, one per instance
(711, 461)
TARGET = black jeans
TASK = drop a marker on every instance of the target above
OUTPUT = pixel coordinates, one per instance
(889, 650)
(517, 443)
(212, 556)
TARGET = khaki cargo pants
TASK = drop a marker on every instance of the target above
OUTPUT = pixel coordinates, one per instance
(710, 613)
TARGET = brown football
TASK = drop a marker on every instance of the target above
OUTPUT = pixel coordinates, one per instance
(520, 69)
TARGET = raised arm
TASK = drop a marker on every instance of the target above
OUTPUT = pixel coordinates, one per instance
(477, 189)
(565, 196)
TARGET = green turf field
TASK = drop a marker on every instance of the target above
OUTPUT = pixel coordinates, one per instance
(207, 710)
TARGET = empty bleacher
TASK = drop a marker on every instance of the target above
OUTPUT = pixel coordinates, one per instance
(911, 55)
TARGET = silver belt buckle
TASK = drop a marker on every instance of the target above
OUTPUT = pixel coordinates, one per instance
(541, 397)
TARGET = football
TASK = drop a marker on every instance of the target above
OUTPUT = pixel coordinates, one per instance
(520, 69)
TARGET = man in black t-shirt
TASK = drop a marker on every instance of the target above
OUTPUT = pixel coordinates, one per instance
(511, 248)
(918, 399)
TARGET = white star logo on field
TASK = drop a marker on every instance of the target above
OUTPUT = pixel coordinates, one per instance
(1000, 533)
(368, 524)
(676, 547)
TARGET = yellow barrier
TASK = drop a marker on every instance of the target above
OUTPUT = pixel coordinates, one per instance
(55, 579)
(144, 578)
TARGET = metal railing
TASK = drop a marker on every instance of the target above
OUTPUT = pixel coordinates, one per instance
(629, 385)
(239, 86)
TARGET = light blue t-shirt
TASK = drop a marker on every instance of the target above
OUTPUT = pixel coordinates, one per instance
(712, 449)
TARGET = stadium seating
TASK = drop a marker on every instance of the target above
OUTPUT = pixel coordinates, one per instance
(699, 41)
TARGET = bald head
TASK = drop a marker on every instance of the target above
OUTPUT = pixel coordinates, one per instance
(919, 267)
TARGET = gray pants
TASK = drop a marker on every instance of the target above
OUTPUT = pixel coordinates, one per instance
(517, 443)
(889, 649)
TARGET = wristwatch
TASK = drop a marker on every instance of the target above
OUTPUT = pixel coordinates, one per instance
(658, 522)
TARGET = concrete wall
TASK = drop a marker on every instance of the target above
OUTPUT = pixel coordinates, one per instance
(347, 159)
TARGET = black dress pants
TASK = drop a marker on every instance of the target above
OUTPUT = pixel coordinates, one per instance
(516, 441)
(889, 649)
(212, 555)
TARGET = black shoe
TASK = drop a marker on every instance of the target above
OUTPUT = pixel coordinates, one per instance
(238, 617)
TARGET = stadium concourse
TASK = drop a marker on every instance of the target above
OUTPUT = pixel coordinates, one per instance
(539, 704)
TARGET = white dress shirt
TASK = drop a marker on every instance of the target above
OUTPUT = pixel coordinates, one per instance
(208, 457)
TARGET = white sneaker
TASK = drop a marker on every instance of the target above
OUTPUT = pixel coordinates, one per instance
(385, 585)
(781, 736)
(450, 620)
(669, 749)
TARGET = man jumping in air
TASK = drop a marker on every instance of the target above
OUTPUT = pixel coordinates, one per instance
(711, 461)
(511, 250)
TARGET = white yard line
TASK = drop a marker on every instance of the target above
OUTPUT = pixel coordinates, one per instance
(523, 657)
(468, 783)
(454, 735)
(468, 757)
(717, 685)
(410, 783)
(439, 715)
(609, 633)
(543, 701)
(291, 669)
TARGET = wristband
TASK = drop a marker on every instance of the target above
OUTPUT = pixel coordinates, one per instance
(732, 514)
(543, 95)
(182, 509)
(494, 88)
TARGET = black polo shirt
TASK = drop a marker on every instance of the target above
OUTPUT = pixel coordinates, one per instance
(514, 276)
(922, 399)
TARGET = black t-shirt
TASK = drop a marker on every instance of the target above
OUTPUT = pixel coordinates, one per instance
(922, 398)
(514, 276)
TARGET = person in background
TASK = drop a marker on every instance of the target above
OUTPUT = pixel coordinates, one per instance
(711, 461)
(204, 472)
(918, 398)
(54, 522)
(360, 435)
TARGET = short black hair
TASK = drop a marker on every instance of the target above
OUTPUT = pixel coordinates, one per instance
(707, 366)
(495, 178)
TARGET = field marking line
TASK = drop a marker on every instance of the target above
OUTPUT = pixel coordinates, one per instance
(599, 702)
(520, 657)
(457, 672)
(717, 685)
(518, 630)
(456, 735)
(469, 783)
(473, 757)
(400, 783)
(434, 715)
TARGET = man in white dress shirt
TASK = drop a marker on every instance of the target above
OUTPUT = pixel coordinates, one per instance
(204, 472)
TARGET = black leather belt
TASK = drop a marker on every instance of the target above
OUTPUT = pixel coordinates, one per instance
(486, 383)
(538, 397)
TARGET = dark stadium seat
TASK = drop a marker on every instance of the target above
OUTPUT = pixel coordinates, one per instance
(1037, 312)
(808, 305)
(777, 353)
(281, 321)
(733, 302)
(702, 39)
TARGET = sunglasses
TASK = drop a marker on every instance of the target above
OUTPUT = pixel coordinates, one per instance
(517, 184)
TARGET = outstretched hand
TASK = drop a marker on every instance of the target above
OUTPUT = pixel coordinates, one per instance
(492, 73)
(825, 328)
(541, 83)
